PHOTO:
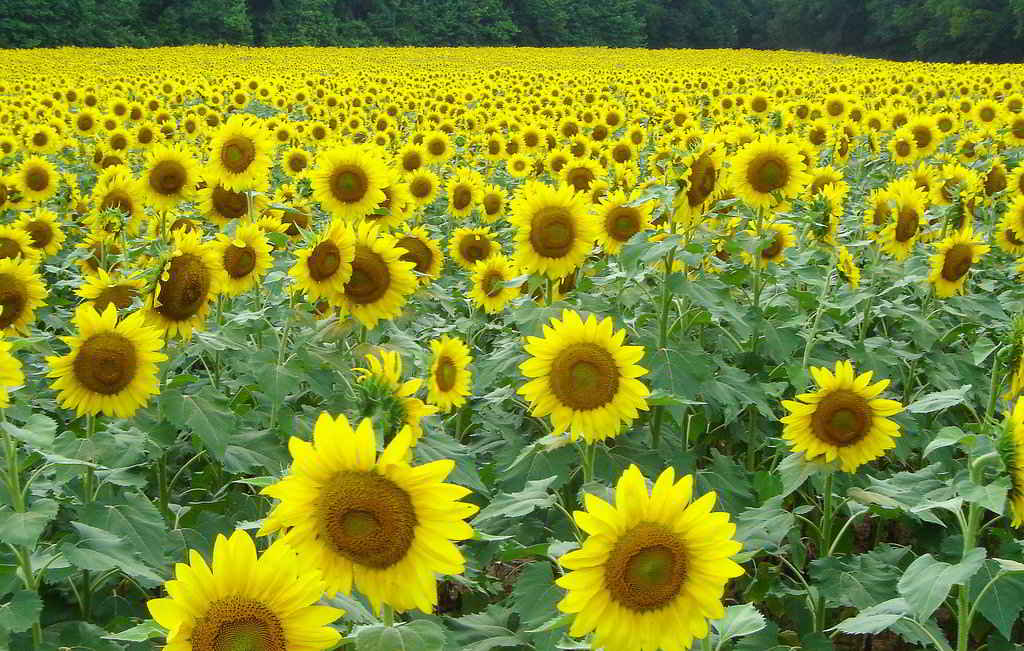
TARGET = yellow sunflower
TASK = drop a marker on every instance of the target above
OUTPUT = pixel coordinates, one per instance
(322, 269)
(701, 184)
(470, 245)
(102, 289)
(465, 191)
(653, 568)
(952, 259)
(848, 267)
(117, 190)
(245, 258)
(778, 236)
(422, 251)
(381, 280)
(844, 419)
(397, 204)
(372, 522)
(1011, 448)
(554, 229)
(16, 243)
(240, 154)
(494, 202)
(43, 230)
(423, 187)
(449, 379)
(487, 289)
(37, 179)
(584, 377)
(295, 162)
(899, 237)
(243, 600)
(222, 205)
(581, 173)
(112, 366)
(620, 217)
(189, 280)
(170, 177)
(10, 372)
(767, 170)
(391, 399)
(349, 181)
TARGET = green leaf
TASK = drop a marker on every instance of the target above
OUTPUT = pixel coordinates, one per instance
(860, 581)
(536, 596)
(738, 622)
(147, 630)
(764, 527)
(794, 470)
(434, 445)
(1002, 603)
(875, 619)
(210, 421)
(939, 400)
(947, 436)
(21, 612)
(25, 528)
(419, 635)
(38, 431)
(535, 495)
(927, 581)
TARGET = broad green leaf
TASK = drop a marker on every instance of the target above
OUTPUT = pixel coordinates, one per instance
(947, 436)
(764, 527)
(927, 581)
(419, 635)
(21, 612)
(738, 621)
(25, 528)
(1002, 603)
(535, 495)
(38, 431)
(875, 619)
(536, 595)
(147, 630)
(939, 400)
(860, 581)
(794, 470)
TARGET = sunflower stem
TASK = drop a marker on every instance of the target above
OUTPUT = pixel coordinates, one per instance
(813, 330)
(658, 416)
(549, 292)
(995, 385)
(963, 626)
(824, 548)
(589, 456)
(387, 615)
(22, 552)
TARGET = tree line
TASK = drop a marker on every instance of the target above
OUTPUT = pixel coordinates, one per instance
(931, 30)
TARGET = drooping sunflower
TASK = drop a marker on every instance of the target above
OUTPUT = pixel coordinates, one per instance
(584, 377)
(388, 399)
(487, 288)
(844, 419)
(349, 181)
(117, 190)
(243, 600)
(21, 292)
(16, 243)
(43, 229)
(779, 237)
(321, 270)
(620, 217)
(240, 154)
(701, 184)
(381, 280)
(899, 237)
(878, 212)
(465, 192)
(449, 379)
(470, 245)
(1011, 449)
(767, 168)
(423, 187)
(653, 568)
(111, 367)
(189, 280)
(245, 258)
(952, 259)
(10, 372)
(846, 266)
(103, 289)
(368, 521)
(422, 251)
(170, 177)
(554, 229)
(37, 179)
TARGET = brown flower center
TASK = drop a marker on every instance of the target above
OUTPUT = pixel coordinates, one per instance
(118, 200)
(842, 418)
(580, 178)
(370, 277)
(324, 261)
(84, 122)
(187, 288)
(646, 569)
(703, 176)
(10, 248)
(922, 136)
(475, 247)
(767, 173)
(412, 161)
(297, 162)
(121, 296)
(552, 232)
(957, 262)
(492, 204)
(622, 222)
(119, 142)
(228, 203)
(106, 363)
(367, 518)
(421, 187)
(584, 376)
(239, 624)
(37, 179)
(349, 183)
(461, 197)
(491, 283)
(907, 224)
(237, 153)
(168, 177)
(445, 374)
(416, 252)
(40, 232)
(13, 299)
(773, 250)
(239, 261)
(903, 148)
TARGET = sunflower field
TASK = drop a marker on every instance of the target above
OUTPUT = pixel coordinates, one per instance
(473, 349)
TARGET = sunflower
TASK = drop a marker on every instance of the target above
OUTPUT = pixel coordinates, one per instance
(584, 377)
(101, 249)
(653, 568)
(245, 258)
(952, 259)
(487, 288)
(322, 269)
(449, 379)
(189, 280)
(349, 181)
(103, 289)
(221, 205)
(470, 245)
(240, 157)
(925, 131)
(295, 162)
(844, 419)
(422, 251)
(554, 229)
(116, 190)
(117, 141)
(776, 237)
(170, 177)
(438, 147)
(243, 600)
(10, 372)
(902, 146)
(846, 266)
(21, 292)
(43, 229)
(901, 234)
(768, 168)
(381, 280)
(878, 212)
(465, 191)
(397, 204)
(85, 122)
(423, 187)
(520, 166)
(494, 201)
(620, 217)
(42, 139)
(111, 367)
(411, 157)
(701, 184)
(580, 173)
(368, 521)
(387, 397)
(1011, 449)
(37, 179)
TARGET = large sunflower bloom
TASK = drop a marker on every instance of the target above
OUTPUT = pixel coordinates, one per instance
(952, 259)
(189, 281)
(323, 269)
(10, 372)
(620, 217)
(244, 257)
(240, 154)
(349, 181)
(21, 292)
(102, 289)
(449, 379)
(422, 251)
(470, 245)
(653, 568)
(43, 230)
(768, 169)
(554, 229)
(111, 368)
(243, 600)
(37, 179)
(487, 283)
(844, 419)
(170, 177)
(377, 523)
(381, 280)
(584, 377)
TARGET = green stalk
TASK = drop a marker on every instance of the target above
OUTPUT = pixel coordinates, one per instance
(22, 552)
(996, 384)
(825, 549)
(813, 331)
(658, 416)
(589, 455)
(964, 610)
(387, 614)
(758, 262)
